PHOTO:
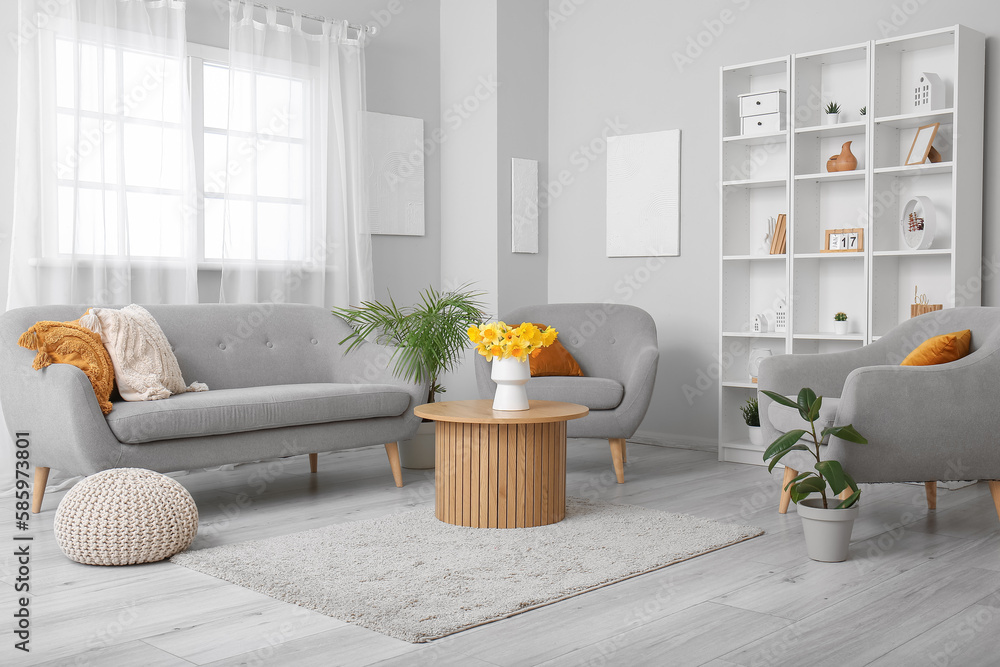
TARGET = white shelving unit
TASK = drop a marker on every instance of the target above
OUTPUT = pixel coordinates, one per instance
(785, 172)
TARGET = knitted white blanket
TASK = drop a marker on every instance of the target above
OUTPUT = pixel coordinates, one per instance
(145, 366)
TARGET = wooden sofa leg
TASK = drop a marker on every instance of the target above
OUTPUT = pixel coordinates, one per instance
(995, 492)
(38, 492)
(392, 450)
(313, 462)
(786, 495)
(618, 457)
(931, 489)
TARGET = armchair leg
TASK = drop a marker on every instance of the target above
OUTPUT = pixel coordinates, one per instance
(313, 462)
(995, 492)
(618, 457)
(392, 450)
(786, 495)
(931, 489)
(38, 492)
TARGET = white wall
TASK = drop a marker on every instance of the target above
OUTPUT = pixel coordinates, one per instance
(613, 62)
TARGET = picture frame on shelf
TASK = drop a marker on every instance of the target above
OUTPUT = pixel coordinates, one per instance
(922, 142)
(844, 240)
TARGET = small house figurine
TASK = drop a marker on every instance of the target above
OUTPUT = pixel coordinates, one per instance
(781, 318)
(928, 94)
(760, 323)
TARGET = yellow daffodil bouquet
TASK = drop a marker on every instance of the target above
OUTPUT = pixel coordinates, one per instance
(498, 340)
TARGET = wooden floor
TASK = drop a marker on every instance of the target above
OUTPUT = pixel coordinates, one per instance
(920, 588)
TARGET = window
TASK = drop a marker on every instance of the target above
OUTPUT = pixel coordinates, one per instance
(118, 149)
(260, 147)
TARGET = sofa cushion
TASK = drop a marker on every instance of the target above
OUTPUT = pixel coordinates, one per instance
(253, 408)
(787, 419)
(594, 393)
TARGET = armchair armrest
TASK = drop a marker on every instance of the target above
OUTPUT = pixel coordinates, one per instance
(640, 378)
(57, 406)
(923, 422)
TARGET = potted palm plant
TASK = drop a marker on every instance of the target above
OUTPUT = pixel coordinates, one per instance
(429, 340)
(827, 529)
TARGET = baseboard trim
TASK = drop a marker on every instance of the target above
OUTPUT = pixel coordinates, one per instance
(676, 441)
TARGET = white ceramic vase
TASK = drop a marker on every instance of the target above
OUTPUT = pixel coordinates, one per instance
(756, 435)
(831, 118)
(827, 531)
(511, 376)
(840, 327)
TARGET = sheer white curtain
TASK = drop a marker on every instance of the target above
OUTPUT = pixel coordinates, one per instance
(105, 202)
(288, 218)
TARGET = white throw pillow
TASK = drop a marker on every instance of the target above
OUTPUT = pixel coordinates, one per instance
(145, 366)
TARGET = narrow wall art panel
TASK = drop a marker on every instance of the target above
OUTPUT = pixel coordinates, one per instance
(395, 166)
(643, 205)
(523, 205)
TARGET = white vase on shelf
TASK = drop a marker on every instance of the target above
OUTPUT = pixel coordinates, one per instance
(840, 327)
(510, 376)
(831, 118)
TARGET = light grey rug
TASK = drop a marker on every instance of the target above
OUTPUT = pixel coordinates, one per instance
(412, 577)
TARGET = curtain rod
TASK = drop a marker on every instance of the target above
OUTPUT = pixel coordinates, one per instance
(370, 29)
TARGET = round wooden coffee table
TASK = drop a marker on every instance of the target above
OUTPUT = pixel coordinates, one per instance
(499, 469)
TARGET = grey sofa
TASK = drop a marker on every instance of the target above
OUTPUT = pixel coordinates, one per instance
(280, 385)
(617, 350)
(923, 423)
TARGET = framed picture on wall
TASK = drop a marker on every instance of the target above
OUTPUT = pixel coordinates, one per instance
(844, 240)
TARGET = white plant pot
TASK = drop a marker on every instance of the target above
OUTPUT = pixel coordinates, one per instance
(417, 453)
(756, 435)
(510, 376)
(840, 328)
(827, 531)
(831, 118)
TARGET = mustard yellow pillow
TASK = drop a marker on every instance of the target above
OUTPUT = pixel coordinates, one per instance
(70, 343)
(553, 360)
(940, 349)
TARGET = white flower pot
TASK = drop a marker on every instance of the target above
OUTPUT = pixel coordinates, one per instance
(840, 328)
(831, 118)
(827, 531)
(417, 453)
(756, 435)
(510, 376)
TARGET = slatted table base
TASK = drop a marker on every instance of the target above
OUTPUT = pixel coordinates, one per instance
(500, 475)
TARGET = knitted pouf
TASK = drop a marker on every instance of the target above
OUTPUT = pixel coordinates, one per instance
(125, 516)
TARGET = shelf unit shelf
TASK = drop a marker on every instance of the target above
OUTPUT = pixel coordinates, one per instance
(873, 286)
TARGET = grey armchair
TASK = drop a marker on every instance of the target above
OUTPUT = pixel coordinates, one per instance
(617, 350)
(923, 423)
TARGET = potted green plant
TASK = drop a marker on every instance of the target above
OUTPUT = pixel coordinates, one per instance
(429, 340)
(827, 529)
(840, 323)
(751, 416)
(863, 111)
(832, 114)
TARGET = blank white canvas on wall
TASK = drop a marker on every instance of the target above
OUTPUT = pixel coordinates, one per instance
(523, 205)
(643, 198)
(395, 171)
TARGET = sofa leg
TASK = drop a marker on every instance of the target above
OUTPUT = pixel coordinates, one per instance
(931, 489)
(41, 477)
(313, 462)
(786, 495)
(618, 457)
(392, 450)
(995, 492)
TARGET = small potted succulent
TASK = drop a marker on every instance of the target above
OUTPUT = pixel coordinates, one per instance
(840, 324)
(752, 417)
(832, 114)
(827, 527)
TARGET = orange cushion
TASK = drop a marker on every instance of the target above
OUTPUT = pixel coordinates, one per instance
(553, 360)
(70, 343)
(940, 349)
